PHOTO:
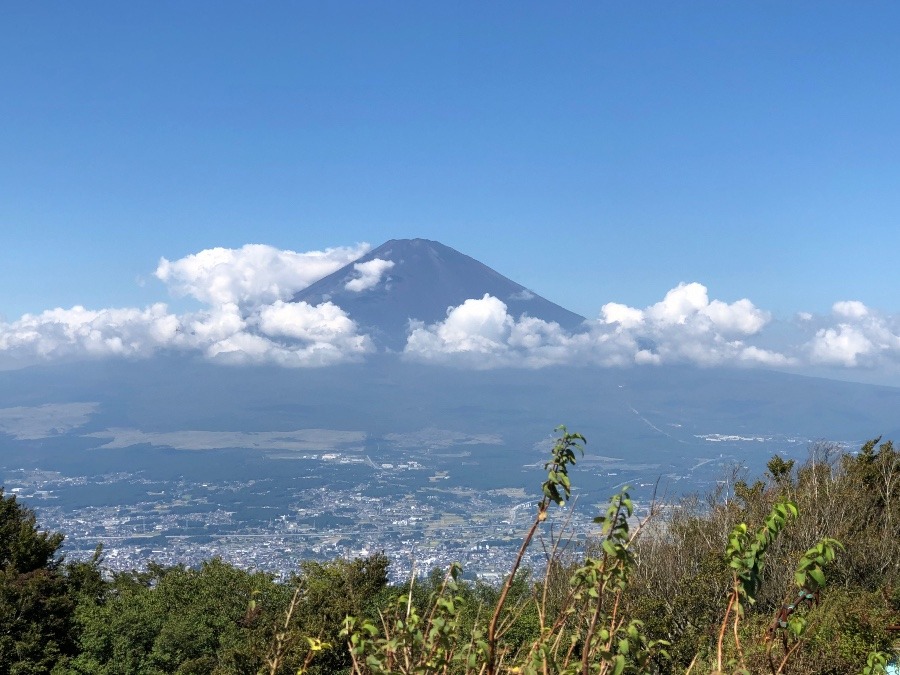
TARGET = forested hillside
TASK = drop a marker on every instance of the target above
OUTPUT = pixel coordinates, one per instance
(797, 571)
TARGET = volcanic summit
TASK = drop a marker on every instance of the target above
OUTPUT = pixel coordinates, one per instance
(419, 279)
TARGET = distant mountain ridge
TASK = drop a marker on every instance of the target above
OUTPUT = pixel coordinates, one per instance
(420, 279)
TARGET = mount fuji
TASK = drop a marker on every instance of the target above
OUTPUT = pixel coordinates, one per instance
(407, 280)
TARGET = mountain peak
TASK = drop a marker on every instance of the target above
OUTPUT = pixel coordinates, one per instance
(420, 279)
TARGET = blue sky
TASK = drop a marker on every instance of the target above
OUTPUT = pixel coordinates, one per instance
(595, 152)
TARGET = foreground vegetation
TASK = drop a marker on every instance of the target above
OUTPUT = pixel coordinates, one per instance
(797, 572)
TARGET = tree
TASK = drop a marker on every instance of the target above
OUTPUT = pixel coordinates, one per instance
(331, 591)
(36, 605)
(217, 618)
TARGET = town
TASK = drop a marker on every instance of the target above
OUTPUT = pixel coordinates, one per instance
(419, 519)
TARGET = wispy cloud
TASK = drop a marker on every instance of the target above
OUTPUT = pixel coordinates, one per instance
(368, 274)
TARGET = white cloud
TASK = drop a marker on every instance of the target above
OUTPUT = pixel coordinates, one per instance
(689, 305)
(248, 348)
(681, 303)
(300, 320)
(242, 347)
(325, 333)
(850, 309)
(246, 319)
(644, 357)
(766, 357)
(292, 335)
(252, 274)
(739, 317)
(862, 339)
(476, 325)
(288, 334)
(627, 317)
(57, 333)
(481, 333)
(843, 345)
(216, 323)
(684, 327)
(370, 273)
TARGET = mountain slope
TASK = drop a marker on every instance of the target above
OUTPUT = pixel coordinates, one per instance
(420, 279)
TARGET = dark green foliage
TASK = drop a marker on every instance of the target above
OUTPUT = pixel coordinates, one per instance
(221, 619)
(38, 593)
(178, 620)
(780, 470)
(23, 548)
(334, 590)
(847, 627)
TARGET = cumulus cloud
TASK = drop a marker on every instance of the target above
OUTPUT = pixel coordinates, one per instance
(369, 274)
(861, 338)
(57, 333)
(481, 333)
(850, 309)
(325, 333)
(739, 317)
(476, 325)
(684, 327)
(252, 274)
(680, 304)
(623, 315)
(316, 323)
(689, 305)
(246, 318)
(843, 345)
